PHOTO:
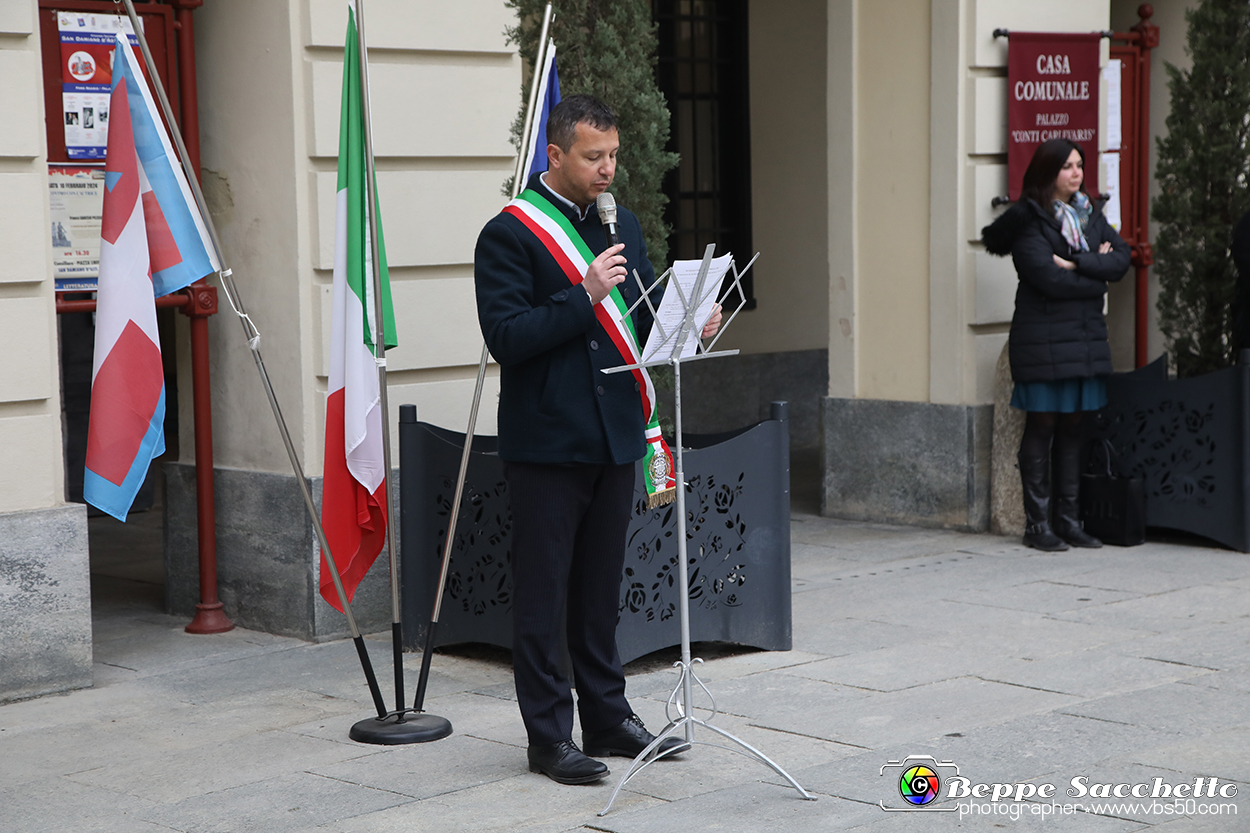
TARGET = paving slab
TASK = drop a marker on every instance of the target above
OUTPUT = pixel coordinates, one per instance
(753, 808)
(293, 802)
(1175, 707)
(526, 802)
(168, 776)
(911, 714)
(57, 805)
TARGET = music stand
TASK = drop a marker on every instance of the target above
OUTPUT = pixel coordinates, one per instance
(686, 681)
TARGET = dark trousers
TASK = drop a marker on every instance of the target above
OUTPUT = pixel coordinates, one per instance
(568, 547)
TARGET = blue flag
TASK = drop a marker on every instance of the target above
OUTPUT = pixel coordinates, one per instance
(548, 97)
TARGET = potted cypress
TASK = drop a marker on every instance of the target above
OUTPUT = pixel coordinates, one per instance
(1189, 437)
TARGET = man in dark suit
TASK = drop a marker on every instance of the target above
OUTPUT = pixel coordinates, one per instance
(569, 436)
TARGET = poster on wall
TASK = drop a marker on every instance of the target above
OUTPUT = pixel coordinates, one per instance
(1052, 92)
(86, 78)
(76, 197)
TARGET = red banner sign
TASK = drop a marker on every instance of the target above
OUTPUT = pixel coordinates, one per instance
(1052, 92)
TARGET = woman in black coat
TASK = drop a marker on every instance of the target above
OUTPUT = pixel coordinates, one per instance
(1065, 254)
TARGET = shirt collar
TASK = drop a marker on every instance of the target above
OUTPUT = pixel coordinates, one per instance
(578, 210)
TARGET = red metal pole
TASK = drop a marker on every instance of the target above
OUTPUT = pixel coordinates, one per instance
(209, 616)
(1143, 256)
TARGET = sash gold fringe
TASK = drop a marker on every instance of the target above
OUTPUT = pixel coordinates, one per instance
(661, 498)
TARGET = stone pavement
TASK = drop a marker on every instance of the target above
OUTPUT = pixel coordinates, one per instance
(1120, 666)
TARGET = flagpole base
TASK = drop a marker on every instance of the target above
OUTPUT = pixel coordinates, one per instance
(401, 728)
(209, 618)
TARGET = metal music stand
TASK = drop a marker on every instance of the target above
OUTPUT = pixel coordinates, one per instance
(683, 707)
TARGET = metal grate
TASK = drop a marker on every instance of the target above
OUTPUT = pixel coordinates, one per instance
(702, 71)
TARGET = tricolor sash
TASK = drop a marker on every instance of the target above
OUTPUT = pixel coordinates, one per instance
(571, 253)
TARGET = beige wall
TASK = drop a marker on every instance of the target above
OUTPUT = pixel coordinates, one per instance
(840, 108)
(789, 182)
(443, 91)
(30, 409)
(892, 199)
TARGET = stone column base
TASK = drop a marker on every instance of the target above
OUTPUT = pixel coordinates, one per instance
(268, 561)
(907, 462)
(45, 602)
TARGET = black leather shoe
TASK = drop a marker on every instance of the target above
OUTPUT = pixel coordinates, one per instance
(628, 740)
(564, 763)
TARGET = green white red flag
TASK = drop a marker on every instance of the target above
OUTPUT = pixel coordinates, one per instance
(353, 505)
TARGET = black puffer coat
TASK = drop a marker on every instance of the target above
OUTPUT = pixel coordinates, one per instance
(1058, 330)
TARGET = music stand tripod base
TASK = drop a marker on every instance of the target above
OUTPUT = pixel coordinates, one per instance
(682, 698)
(397, 729)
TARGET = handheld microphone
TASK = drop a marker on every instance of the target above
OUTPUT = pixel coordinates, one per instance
(606, 203)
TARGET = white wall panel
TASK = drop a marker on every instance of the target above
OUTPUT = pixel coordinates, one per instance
(989, 102)
(430, 108)
(24, 239)
(20, 88)
(446, 404)
(30, 456)
(988, 182)
(26, 345)
(17, 17)
(1048, 16)
(465, 25)
(996, 289)
(428, 217)
(436, 321)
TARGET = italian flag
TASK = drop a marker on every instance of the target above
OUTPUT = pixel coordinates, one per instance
(353, 506)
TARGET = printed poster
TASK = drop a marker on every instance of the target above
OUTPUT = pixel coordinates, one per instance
(76, 196)
(86, 78)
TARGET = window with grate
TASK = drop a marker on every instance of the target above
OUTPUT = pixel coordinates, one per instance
(702, 71)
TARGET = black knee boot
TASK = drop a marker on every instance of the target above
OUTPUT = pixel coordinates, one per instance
(1035, 477)
(1034, 458)
(1067, 487)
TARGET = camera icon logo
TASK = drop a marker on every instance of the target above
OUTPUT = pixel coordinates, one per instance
(919, 784)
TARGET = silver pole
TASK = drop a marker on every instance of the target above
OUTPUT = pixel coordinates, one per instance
(379, 344)
(249, 329)
(518, 180)
(518, 184)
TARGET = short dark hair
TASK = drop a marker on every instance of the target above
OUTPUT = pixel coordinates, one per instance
(1044, 168)
(565, 116)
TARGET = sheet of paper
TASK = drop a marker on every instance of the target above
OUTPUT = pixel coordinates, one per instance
(672, 311)
(1111, 167)
(1111, 75)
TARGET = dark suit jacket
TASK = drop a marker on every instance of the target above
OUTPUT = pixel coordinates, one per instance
(554, 404)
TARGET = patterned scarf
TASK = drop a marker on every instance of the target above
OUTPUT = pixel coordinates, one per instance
(1074, 216)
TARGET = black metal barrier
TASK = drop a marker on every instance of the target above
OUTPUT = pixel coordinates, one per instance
(738, 500)
(1189, 441)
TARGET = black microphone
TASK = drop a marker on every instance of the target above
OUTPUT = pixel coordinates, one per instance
(606, 203)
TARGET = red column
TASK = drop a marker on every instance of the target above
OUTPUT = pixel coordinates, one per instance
(1143, 255)
(209, 617)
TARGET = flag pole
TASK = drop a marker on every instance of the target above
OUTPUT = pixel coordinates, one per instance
(402, 726)
(518, 184)
(253, 343)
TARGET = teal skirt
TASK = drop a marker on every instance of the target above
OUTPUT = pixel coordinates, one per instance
(1064, 396)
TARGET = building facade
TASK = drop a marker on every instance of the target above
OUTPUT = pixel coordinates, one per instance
(876, 135)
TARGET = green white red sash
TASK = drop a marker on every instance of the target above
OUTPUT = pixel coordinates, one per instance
(562, 241)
